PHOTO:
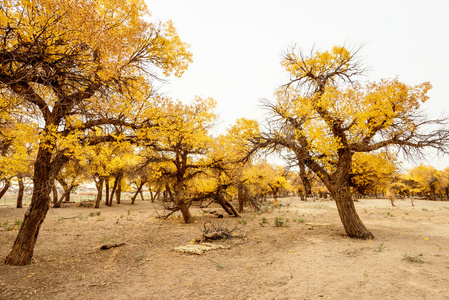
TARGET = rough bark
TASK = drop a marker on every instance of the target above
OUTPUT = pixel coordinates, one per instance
(228, 207)
(186, 215)
(99, 186)
(5, 188)
(339, 187)
(181, 202)
(352, 223)
(20, 193)
(23, 248)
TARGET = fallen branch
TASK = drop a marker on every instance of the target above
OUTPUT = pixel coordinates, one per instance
(109, 246)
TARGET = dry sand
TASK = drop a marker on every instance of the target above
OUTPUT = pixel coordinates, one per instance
(309, 258)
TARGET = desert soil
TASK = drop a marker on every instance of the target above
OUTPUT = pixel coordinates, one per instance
(309, 257)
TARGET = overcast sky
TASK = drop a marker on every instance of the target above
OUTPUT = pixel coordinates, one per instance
(237, 46)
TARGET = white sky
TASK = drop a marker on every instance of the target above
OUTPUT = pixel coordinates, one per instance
(237, 46)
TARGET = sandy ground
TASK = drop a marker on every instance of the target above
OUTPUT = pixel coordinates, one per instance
(307, 258)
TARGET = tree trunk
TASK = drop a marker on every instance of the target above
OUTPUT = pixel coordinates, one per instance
(20, 194)
(118, 192)
(432, 192)
(114, 188)
(186, 215)
(23, 248)
(5, 188)
(182, 205)
(305, 180)
(67, 196)
(352, 223)
(139, 190)
(63, 196)
(99, 186)
(228, 207)
(107, 190)
(241, 195)
(55, 194)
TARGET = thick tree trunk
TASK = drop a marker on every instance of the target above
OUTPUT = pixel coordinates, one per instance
(23, 247)
(186, 215)
(352, 223)
(99, 186)
(228, 207)
(20, 193)
(5, 188)
(338, 185)
(181, 203)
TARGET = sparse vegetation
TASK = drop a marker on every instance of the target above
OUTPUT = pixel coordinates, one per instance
(413, 258)
(280, 222)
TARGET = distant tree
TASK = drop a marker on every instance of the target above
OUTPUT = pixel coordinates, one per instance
(426, 178)
(373, 172)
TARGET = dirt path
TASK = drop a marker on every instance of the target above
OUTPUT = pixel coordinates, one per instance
(307, 258)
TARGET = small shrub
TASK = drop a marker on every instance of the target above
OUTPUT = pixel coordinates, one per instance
(140, 257)
(381, 247)
(280, 222)
(94, 213)
(11, 226)
(413, 258)
(242, 222)
(424, 208)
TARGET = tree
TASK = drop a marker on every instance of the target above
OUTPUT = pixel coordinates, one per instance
(324, 116)
(427, 178)
(180, 145)
(78, 66)
(71, 175)
(373, 172)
